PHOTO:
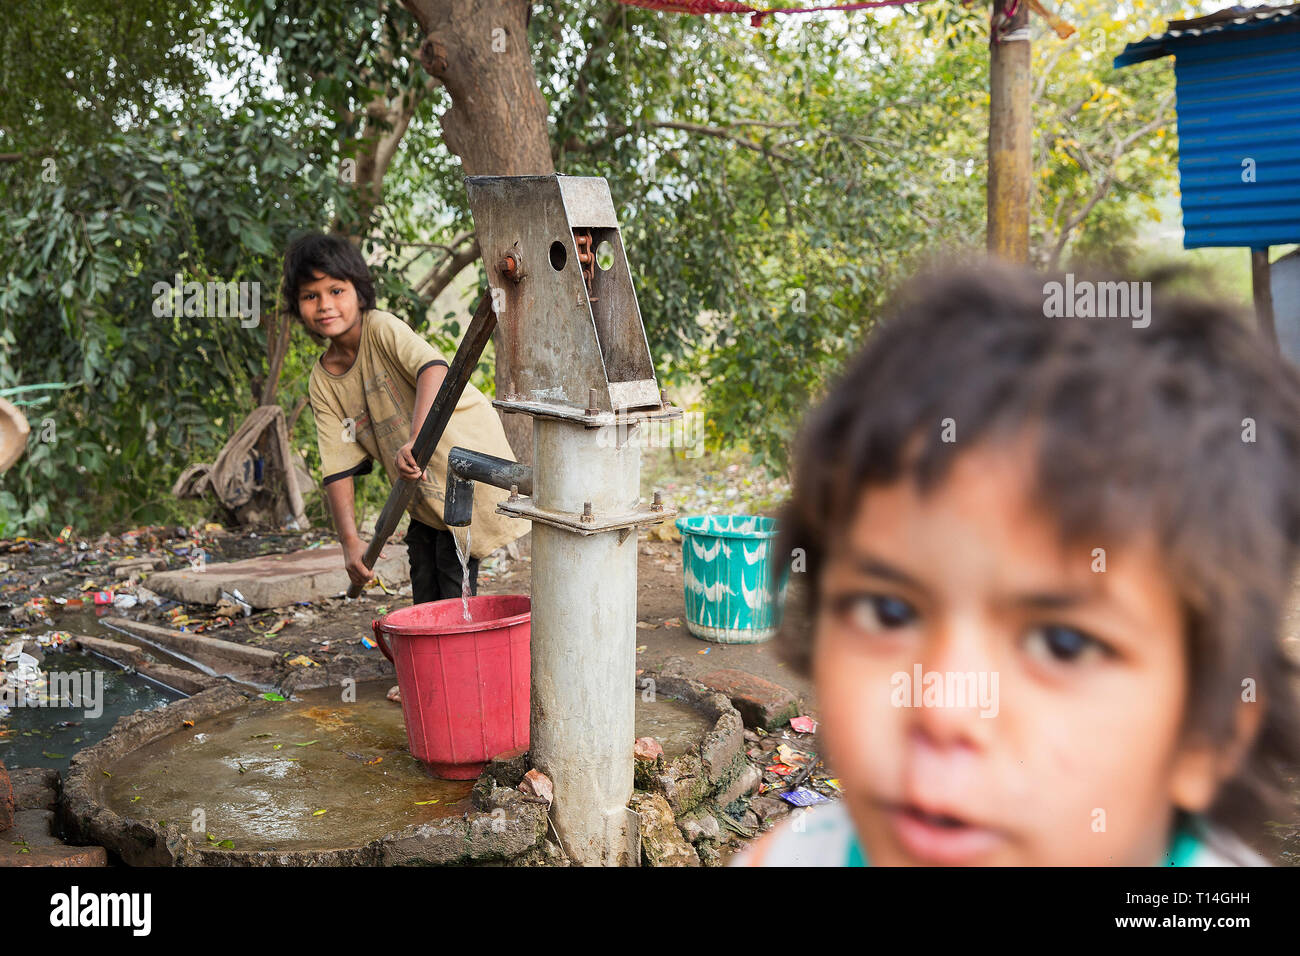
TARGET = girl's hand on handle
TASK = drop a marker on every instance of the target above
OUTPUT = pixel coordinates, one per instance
(354, 553)
(406, 465)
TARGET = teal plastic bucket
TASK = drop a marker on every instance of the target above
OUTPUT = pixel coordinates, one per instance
(727, 575)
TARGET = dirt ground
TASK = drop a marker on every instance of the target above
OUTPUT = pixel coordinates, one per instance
(37, 577)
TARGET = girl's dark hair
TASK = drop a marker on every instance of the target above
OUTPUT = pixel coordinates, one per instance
(334, 256)
(1188, 428)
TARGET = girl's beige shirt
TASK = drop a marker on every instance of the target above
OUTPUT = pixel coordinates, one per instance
(363, 415)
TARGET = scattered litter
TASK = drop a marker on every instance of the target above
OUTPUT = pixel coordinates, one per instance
(274, 696)
(302, 660)
(537, 784)
(145, 596)
(780, 769)
(792, 757)
(395, 693)
(367, 643)
(277, 627)
(803, 725)
(673, 622)
(647, 748)
(232, 604)
(803, 797)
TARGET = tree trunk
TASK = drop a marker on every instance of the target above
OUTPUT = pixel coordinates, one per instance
(479, 50)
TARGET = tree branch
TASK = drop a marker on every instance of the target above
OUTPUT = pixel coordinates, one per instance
(1102, 188)
(441, 276)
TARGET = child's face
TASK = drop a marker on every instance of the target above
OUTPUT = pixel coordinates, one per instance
(1082, 674)
(328, 305)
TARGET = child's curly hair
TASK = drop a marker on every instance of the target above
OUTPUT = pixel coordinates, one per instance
(1188, 428)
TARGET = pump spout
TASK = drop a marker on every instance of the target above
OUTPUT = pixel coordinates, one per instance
(464, 467)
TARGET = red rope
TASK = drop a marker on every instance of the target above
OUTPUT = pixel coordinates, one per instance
(695, 7)
(706, 7)
(759, 15)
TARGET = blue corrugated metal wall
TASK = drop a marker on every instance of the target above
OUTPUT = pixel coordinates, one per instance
(1239, 98)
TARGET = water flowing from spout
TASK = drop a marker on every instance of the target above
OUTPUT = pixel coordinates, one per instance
(463, 555)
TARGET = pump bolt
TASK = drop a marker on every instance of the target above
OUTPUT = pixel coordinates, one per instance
(592, 407)
(509, 267)
(658, 503)
(586, 512)
(663, 398)
(514, 493)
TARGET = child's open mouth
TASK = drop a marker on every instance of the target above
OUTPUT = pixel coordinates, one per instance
(940, 839)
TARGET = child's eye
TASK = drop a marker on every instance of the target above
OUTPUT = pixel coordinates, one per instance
(1063, 645)
(875, 612)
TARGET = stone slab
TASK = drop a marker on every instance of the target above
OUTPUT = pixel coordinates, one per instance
(6, 799)
(187, 682)
(212, 651)
(35, 788)
(114, 650)
(277, 580)
(761, 703)
(31, 843)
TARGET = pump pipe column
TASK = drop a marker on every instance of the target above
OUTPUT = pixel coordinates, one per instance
(584, 639)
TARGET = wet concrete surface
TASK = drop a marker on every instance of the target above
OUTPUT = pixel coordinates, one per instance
(263, 774)
(309, 773)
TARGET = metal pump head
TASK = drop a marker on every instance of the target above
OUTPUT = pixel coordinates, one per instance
(568, 324)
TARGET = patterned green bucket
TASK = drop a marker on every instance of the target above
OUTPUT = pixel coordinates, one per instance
(727, 573)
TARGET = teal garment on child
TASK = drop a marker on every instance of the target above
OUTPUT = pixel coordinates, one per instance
(1182, 852)
(1186, 845)
(856, 856)
(826, 836)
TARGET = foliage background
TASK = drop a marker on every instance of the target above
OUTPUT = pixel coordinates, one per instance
(774, 185)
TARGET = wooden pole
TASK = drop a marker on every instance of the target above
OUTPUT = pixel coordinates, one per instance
(1261, 277)
(1010, 131)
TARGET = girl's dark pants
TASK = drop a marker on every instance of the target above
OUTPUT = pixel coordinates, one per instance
(435, 568)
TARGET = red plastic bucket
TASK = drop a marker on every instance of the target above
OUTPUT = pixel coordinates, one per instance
(464, 684)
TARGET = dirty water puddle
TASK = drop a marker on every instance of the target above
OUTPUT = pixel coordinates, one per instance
(674, 723)
(310, 773)
(38, 734)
